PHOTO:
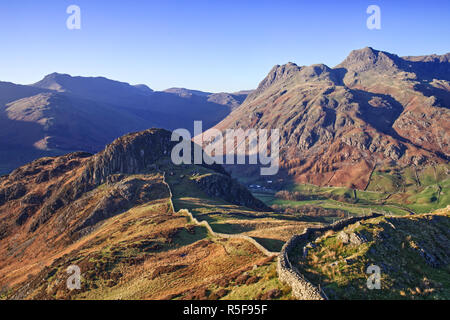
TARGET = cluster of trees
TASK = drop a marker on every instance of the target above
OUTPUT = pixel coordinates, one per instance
(291, 196)
(298, 196)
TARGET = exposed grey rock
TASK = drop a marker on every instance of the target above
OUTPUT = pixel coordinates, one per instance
(394, 152)
(344, 237)
(357, 238)
(306, 248)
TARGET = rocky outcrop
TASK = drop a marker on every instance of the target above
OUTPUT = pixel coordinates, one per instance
(12, 192)
(129, 154)
(123, 166)
(135, 153)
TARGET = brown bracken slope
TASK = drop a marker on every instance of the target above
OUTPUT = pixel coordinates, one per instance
(110, 213)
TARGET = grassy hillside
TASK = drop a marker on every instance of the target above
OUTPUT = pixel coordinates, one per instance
(412, 253)
(149, 252)
(268, 228)
(420, 189)
(112, 215)
(258, 282)
(390, 190)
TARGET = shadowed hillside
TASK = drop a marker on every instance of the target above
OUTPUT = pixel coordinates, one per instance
(61, 113)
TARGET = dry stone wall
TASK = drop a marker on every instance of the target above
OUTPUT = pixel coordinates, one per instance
(301, 288)
(226, 235)
(217, 234)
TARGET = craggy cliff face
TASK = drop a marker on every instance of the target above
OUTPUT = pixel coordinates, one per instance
(54, 202)
(337, 124)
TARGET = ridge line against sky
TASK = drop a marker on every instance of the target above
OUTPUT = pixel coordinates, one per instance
(214, 46)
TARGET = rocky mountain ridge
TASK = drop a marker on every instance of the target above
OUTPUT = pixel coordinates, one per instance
(338, 124)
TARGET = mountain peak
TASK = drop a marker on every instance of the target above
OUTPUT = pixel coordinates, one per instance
(95, 88)
(144, 88)
(443, 58)
(277, 74)
(286, 68)
(315, 70)
(53, 81)
(365, 52)
(368, 58)
(57, 74)
(184, 92)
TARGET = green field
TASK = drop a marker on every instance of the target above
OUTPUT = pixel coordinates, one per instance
(390, 191)
(351, 209)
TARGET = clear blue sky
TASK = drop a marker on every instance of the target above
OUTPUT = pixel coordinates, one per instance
(210, 45)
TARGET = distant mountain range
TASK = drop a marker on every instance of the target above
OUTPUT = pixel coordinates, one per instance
(62, 113)
(338, 124)
(233, 100)
(132, 221)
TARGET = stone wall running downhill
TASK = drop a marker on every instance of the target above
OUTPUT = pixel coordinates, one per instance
(301, 288)
(217, 234)
(226, 235)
